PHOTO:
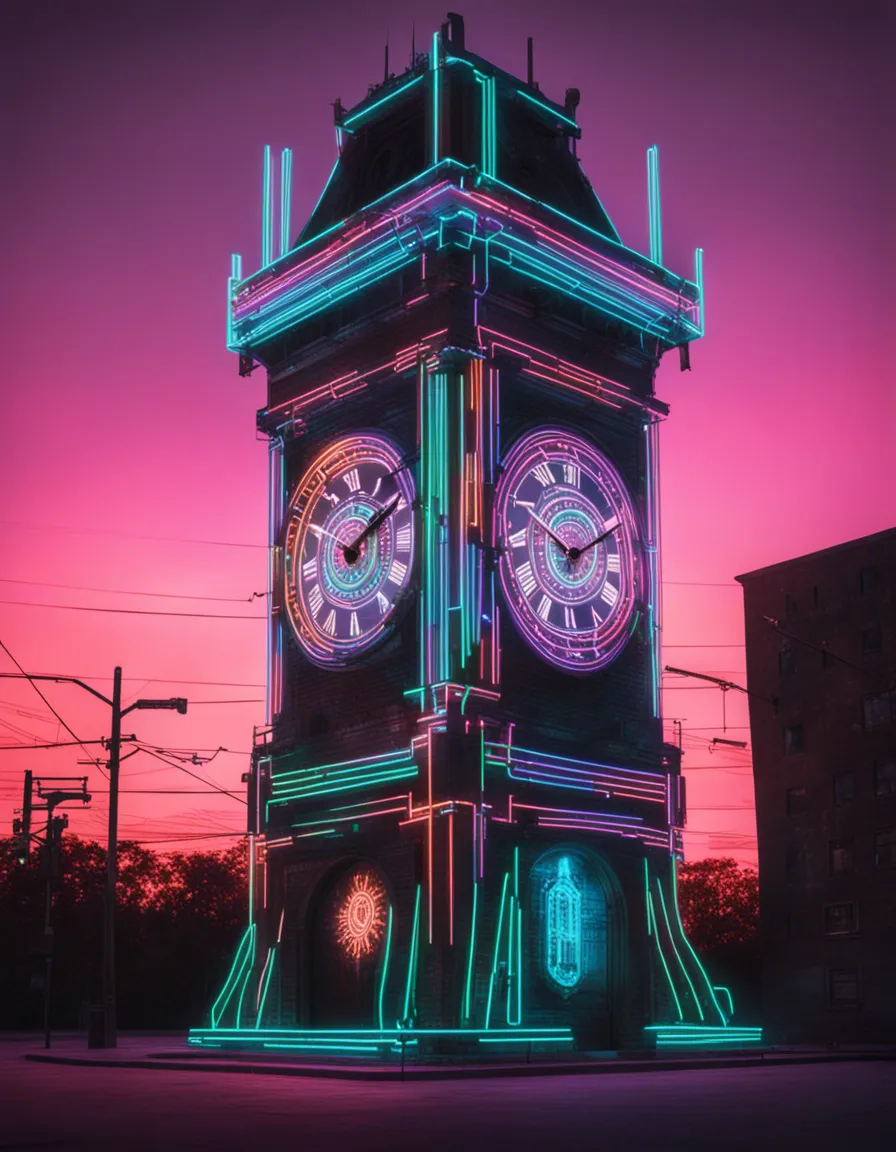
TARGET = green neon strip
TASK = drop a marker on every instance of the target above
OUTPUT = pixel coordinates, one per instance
(386, 956)
(647, 897)
(675, 949)
(525, 1039)
(304, 793)
(491, 983)
(434, 66)
(266, 208)
(684, 937)
(343, 768)
(653, 205)
(248, 967)
(379, 103)
(236, 970)
(412, 958)
(269, 968)
(285, 198)
(698, 279)
(720, 988)
(552, 112)
(659, 949)
(370, 1034)
(468, 992)
(515, 942)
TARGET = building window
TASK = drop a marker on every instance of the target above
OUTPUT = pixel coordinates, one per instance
(871, 640)
(884, 777)
(841, 919)
(797, 801)
(786, 659)
(844, 787)
(796, 865)
(877, 710)
(885, 848)
(843, 987)
(868, 579)
(793, 739)
(842, 856)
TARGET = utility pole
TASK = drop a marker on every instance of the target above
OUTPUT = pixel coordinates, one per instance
(109, 1020)
(51, 864)
(104, 1033)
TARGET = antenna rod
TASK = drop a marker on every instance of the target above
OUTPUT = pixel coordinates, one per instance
(531, 69)
(386, 61)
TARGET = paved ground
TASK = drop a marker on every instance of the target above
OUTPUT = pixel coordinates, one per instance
(815, 1108)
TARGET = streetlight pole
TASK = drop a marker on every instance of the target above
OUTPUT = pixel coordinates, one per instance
(110, 1031)
(109, 1036)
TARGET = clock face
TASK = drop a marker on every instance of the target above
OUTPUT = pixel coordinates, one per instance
(570, 565)
(349, 548)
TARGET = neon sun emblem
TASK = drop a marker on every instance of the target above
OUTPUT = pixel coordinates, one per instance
(362, 916)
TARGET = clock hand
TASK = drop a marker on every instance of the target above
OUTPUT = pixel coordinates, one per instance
(351, 552)
(556, 539)
(575, 553)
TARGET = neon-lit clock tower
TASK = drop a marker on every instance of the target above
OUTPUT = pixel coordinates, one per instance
(465, 822)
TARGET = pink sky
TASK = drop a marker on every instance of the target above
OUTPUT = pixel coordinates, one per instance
(132, 148)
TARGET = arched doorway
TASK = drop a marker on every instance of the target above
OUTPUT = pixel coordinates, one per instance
(575, 903)
(347, 923)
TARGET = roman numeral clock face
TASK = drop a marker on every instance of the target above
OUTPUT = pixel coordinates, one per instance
(570, 566)
(349, 548)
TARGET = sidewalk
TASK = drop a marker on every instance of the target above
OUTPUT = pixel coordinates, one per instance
(169, 1051)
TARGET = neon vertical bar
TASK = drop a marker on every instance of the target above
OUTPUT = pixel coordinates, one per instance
(285, 198)
(275, 510)
(436, 96)
(654, 569)
(653, 204)
(698, 280)
(266, 208)
(236, 274)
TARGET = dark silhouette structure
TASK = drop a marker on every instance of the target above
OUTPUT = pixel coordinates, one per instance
(821, 638)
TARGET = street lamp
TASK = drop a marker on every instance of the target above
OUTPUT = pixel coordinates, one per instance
(109, 1032)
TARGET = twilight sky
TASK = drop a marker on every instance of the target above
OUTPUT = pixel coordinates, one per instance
(132, 136)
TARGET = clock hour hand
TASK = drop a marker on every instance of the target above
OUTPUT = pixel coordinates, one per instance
(351, 552)
(556, 539)
(575, 553)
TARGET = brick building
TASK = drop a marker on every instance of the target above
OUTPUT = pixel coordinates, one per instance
(821, 663)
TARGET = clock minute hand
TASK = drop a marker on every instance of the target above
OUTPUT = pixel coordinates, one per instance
(351, 551)
(556, 539)
(575, 553)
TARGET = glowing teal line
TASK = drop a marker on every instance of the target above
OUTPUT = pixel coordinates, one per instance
(468, 1000)
(412, 957)
(362, 781)
(250, 952)
(386, 956)
(266, 208)
(684, 937)
(698, 279)
(338, 771)
(434, 66)
(675, 948)
(272, 952)
(721, 988)
(285, 198)
(517, 1039)
(231, 981)
(546, 108)
(370, 1034)
(653, 205)
(491, 983)
(379, 103)
(659, 949)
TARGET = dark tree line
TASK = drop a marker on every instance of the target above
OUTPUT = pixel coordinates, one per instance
(179, 918)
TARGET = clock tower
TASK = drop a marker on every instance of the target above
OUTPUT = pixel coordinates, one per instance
(464, 820)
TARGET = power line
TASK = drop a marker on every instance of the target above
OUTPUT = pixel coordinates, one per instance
(193, 702)
(128, 535)
(56, 744)
(196, 776)
(128, 592)
(129, 611)
(45, 700)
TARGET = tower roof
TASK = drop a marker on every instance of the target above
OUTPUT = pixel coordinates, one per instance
(485, 120)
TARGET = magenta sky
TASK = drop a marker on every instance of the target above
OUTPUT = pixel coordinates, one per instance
(132, 139)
